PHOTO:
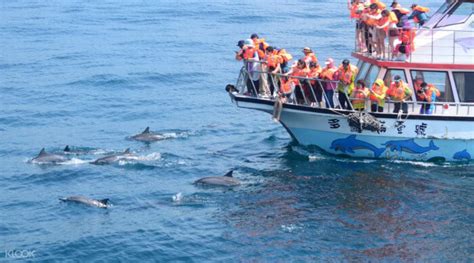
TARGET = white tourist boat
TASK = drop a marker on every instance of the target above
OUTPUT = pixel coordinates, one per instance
(444, 55)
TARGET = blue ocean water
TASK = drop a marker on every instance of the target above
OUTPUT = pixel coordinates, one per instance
(91, 73)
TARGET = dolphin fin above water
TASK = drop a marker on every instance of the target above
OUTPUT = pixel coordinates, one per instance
(226, 180)
(67, 149)
(229, 174)
(127, 151)
(42, 153)
(147, 130)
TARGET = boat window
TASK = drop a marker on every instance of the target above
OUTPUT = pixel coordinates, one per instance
(392, 73)
(458, 15)
(363, 71)
(439, 14)
(372, 76)
(439, 79)
(464, 86)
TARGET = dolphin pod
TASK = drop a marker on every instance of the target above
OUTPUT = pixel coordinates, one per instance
(103, 203)
(48, 158)
(226, 180)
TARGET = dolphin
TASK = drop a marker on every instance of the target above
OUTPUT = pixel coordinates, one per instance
(114, 157)
(103, 203)
(349, 144)
(147, 136)
(462, 155)
(48, 158)
(410, 146)
(226, 180)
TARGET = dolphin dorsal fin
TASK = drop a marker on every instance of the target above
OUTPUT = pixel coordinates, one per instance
(127, 150)
(42, 152)
(104, 201)
(229, 174)
(67, 149)
(147, 130)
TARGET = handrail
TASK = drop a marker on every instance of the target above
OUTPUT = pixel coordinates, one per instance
(300, 96)
(430, 46)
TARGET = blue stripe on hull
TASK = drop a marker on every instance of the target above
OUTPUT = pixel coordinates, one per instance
(366, 146)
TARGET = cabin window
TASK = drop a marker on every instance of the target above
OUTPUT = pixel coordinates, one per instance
(459, 14)
(363, 71)
(464, 84)
(439, 79)
(372, 76)
(392, 73)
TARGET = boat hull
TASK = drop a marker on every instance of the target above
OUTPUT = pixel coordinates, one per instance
(421, 137)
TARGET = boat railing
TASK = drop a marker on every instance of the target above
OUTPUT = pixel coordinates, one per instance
(430, 46)
(321, 93)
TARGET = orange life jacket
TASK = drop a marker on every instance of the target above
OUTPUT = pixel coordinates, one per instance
(381, 92)
(356, 10)
(314, 73)
(310, 57)
(328, 73)
(285, 56)
(420, 9)
(372, 21)
(272, 60)
(429, 93)
(249, 53)
(346, 76)
(297, 72)
(407, 37)
(286, 86)
(358, 97)
(399, 93)
(260, 44)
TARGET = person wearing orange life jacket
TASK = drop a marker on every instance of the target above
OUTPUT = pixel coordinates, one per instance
(272, 60)
(401, 14)
(260, 44)
(419, 14)
(382, 28)
(417, 86)
(285, 57)
(250, 58)
(399, 92)
(347, 74)
(309, 56)
(329, 75)
(359, 95)
(428, 94)
(356, 7)
(299, 70)
(315, 93)
(407, 45)
(377, 96)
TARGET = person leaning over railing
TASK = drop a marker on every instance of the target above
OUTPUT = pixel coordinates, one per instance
(272, 60)
(347, 74)
(356, 7)
(359, 95)
(316, 92)
(399, 92)
(250, 56)
(378, 92)
(329, 73)
(428, 94)
(299, 70)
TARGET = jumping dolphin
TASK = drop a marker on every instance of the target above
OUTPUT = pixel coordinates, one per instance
(114, 157)
(226, 180)
(48, 158)
(87, 201)
(147, 136)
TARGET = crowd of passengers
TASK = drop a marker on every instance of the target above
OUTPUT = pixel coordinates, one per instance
(270, 75)
(375, 24)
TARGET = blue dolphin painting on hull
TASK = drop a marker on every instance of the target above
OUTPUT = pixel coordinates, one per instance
(462, 155)
(410, 146)
(349, 144)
